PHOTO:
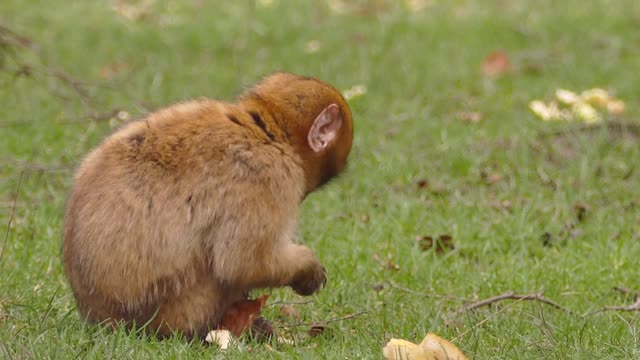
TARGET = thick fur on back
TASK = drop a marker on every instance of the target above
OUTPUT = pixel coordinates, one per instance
(176, 216)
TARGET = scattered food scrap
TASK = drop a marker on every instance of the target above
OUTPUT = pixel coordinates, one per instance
(586, 106)
(222, 338)
(432, 347)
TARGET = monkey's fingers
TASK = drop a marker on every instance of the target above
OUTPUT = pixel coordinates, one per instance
(310, 281)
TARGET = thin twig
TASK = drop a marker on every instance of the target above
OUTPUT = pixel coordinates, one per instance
(509, 295)
(633, 307)
(11, 215)
(19, 39)
(90, 117)
(347, 317)
(289, 303)
(486, 319)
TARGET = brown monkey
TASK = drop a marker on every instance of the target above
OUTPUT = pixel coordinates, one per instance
(177, 216)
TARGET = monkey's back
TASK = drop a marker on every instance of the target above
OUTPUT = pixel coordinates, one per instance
(156, 198)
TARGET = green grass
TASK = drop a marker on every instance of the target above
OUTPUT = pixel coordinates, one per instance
(421, 69)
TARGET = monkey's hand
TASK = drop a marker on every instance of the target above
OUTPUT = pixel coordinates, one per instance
(310, 279)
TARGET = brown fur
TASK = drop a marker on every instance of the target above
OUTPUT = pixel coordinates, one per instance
(175, 217)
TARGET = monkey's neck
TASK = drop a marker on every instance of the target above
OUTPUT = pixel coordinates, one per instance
(282, 126)
(266, 119)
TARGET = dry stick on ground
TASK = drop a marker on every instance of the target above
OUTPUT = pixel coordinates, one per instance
(633, 307)
(11, 215)
(8, 35)
(91, 117)
(289, 303)
(10, 40)
(509, 295)
(347, 317)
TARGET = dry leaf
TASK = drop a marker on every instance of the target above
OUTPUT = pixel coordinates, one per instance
(389, 264)
(289, 312)
(581, 210)
(422, 183)
(242, 314)
(316, 330)
(495, 64)
(261, 330)
(131, 11)
(501, 205)
(470, 116)
(490, 178)
(442, 244)
(110, 71)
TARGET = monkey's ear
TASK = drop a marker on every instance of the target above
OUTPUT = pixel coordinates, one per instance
(325, 128)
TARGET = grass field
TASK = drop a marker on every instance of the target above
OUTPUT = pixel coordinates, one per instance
(440, 149)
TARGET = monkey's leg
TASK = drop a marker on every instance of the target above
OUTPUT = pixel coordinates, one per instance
(194, 310)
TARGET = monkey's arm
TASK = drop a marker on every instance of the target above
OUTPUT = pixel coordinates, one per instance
(255, 248)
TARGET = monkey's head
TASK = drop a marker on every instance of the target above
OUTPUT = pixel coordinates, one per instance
(314, 118)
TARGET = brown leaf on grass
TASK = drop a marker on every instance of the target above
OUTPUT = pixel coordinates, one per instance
(496, 64)
(469, 116)
(442, 244)
(422, 183)
(547, 239)
(581, 210)
(261, 330)
(435, 189)
(358, 38)
(316, 330)
(133, 11)
(502, 205)
(389, 264)
(490, 178)
(289, 312)
(109, 71)
(242, 314)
